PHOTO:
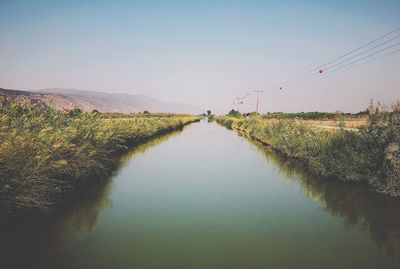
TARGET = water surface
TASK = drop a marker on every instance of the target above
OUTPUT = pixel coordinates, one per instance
(209, 198)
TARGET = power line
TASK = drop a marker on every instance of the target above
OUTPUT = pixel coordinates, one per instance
(363, 46)
(355, 56)
(311, 72)
(356, 61)
(310, 75)
(375, 59)
(365, 57)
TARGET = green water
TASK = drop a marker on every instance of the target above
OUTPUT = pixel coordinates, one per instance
(208, 198)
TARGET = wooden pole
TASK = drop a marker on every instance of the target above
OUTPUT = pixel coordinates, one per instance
(257, 103)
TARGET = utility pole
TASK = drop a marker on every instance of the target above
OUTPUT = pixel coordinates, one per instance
(258, 92)
(257, 104)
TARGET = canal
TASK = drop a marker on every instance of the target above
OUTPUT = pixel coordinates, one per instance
(207, 197)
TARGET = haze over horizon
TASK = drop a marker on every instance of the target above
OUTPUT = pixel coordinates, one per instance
(204, 53)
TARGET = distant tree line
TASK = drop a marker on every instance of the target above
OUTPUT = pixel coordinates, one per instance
(302, 115)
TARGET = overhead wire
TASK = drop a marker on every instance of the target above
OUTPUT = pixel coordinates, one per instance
(365, 57)
(311, 74)
(374, 59)
(330, 71)
(368, 50)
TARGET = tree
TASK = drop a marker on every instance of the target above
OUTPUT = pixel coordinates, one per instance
(234, 113)
(208, 112)
(75, 112)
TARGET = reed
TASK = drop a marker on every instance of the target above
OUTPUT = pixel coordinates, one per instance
(370, 155)
(44, 152)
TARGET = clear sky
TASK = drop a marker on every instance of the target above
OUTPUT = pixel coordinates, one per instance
(201, 52)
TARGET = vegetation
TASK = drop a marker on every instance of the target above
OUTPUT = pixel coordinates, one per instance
(45, 152)
(315, 115)
(355, 204)
(143, 114)
(209, 116)
(370, 155)
(234, 113)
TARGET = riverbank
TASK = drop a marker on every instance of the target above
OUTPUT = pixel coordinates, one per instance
(220, 200)
(371, 155)
(45, 153)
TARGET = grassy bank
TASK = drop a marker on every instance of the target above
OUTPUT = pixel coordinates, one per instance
(371, 155)
(45, 152)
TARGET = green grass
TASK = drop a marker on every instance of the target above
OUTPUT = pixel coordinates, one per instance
(371, 155)
(45, 152)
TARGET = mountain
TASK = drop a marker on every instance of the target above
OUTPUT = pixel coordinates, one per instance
(101, 101)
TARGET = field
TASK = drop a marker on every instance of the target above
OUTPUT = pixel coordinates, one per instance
(325, 120)
(44, 152)
(368, 152)
(350, 124)
(346, 124)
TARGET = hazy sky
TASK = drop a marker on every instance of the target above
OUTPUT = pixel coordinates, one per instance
(200, 52)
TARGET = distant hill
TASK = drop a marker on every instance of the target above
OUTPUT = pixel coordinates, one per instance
(103, 102)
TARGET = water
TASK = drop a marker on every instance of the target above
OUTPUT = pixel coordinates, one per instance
(208, 198)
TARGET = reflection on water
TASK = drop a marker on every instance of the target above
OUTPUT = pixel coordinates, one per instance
(38, 239)
(31, 241)
(142, 148)
(376, 213)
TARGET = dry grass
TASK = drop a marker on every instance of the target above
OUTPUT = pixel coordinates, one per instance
(348, 123)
